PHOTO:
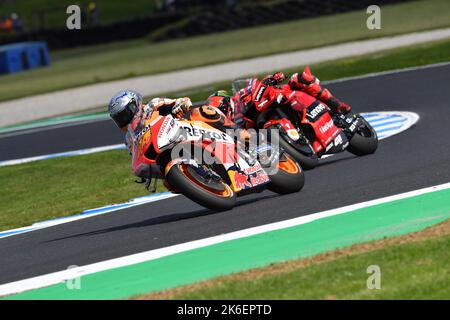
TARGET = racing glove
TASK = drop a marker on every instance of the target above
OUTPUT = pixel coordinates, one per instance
(182, 105)
(274, 79)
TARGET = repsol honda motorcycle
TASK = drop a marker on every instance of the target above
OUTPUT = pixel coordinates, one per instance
(204, 164)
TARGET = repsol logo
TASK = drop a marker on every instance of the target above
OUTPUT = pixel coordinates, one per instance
(196, 132)
(326, 126)
(316, 111)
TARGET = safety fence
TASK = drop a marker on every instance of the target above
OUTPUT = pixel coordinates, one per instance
(196, 20)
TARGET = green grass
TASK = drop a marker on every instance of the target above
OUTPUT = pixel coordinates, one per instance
(82, 66)
(416, 270)
(417, 55)
(59, 187)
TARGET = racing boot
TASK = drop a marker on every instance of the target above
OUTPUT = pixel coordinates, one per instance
(310, 84)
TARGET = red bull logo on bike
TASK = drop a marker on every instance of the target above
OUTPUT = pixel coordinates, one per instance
(255, 177)
(241, 181)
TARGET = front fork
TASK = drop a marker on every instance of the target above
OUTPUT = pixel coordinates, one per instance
(349, 124)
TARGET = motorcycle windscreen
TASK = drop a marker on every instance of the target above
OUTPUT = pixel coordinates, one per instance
(239, 84)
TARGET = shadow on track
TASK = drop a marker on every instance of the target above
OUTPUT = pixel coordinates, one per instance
(335, 159)
(162, 219)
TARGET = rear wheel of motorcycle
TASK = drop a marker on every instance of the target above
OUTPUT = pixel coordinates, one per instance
(289, 177)
(365, 141)
(306, 162)
(215, 195)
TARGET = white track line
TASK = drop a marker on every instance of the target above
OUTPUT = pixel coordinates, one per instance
(408, 119)
(22, 130)
(60, 276)
(5, 163)
(376, 119)
(388, 126)
(88, 214)
(106, 118)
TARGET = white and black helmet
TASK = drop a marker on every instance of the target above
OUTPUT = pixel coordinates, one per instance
(123, 107)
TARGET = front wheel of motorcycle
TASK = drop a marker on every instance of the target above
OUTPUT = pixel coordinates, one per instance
(212, 194)
(365, 140)
(307, 162)
(289, 177)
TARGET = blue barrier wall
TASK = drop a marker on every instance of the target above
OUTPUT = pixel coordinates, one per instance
(23, 56)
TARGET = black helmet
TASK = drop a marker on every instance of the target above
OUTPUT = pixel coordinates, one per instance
(123, 107)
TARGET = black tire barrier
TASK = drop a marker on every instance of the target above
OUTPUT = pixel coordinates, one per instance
(201, 19)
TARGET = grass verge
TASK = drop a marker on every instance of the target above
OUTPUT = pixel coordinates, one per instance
(60, 187)
(417, 55)
(414, 266)
(83, 66)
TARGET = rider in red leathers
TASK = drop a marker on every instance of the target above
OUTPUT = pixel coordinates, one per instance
(310, 84)
(257, 96)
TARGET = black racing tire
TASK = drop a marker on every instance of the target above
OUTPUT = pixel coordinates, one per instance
(287, 181)
(364, 143)
(306, 162)
(198, 194)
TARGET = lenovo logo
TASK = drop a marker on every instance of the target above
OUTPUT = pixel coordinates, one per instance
(316, 111)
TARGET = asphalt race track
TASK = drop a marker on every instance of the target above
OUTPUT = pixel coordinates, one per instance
(54, 139)
(416, 158)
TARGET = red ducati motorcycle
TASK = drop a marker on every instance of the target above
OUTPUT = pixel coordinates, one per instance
(315, 131)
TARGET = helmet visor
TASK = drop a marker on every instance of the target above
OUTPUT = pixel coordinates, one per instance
(124, 117)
